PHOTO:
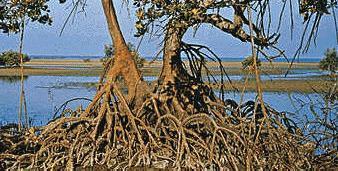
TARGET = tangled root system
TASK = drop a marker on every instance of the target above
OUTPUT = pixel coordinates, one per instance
(176, 127)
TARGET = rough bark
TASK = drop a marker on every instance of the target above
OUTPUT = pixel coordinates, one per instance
(233, 28)
(179, 93)
(124, 65)
(172, 70)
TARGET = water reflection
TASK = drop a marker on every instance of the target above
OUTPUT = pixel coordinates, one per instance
(296, 75)
(12, 79)
(45, 94)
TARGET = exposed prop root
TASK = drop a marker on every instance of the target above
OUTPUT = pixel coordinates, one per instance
(172, 129)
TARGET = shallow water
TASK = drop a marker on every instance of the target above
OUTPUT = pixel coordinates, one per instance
(294, 75)
(45, 94)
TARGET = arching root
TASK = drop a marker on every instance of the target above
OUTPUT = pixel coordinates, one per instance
(182, 127)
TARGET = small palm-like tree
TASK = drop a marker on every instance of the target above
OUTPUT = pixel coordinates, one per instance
(329, 63)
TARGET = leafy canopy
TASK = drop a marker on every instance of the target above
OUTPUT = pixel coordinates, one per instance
(14, 12)
(183, 14)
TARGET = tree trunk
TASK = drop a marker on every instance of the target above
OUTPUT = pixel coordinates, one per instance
(124, 63)
(173, 70)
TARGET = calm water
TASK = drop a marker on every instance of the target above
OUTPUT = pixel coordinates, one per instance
(294, 75)
(45, 94)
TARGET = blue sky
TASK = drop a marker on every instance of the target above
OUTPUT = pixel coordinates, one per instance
(87, 34)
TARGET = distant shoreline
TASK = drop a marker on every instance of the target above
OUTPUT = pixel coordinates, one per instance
(224, 59)
(77, 67)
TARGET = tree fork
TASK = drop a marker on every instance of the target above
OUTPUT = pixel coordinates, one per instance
(124, 64)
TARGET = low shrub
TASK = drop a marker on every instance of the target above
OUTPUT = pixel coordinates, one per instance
(109, 52)
(11, 58)
(86, 60)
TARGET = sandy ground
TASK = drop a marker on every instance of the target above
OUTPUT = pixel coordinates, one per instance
(94, 67)
(97, 63)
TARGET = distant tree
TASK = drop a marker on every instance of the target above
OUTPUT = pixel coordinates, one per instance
(11, 58)
(329, 63)
(248, 63)
(137, 57)
(86, 60)
(109, 52)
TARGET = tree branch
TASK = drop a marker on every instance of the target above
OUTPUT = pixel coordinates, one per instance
(230, 27)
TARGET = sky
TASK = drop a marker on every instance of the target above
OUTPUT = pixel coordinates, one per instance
(86, 35)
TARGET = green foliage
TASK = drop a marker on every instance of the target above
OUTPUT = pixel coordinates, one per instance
(109, 51)
(138, 58)
(308, 7)
(187, 13)
(13, 12)
(182, 13)
(248, 62)
(11, 58)
(86, 60)
(329, 63)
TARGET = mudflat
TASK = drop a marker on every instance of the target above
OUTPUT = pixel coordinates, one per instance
(76, 67)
